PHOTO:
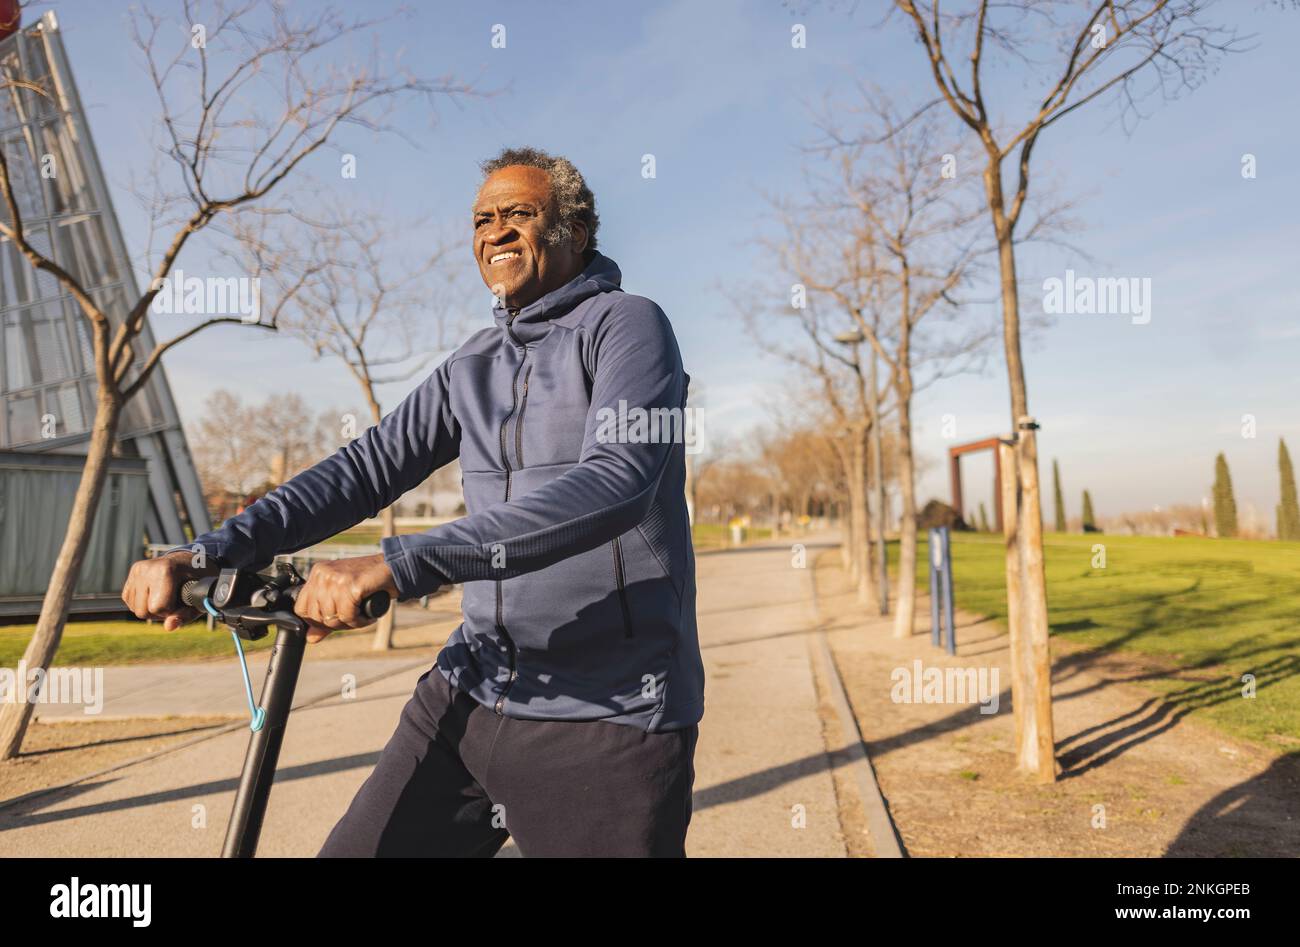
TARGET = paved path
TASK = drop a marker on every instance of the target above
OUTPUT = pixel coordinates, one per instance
(761, 752)
(763, 784)
(215, 688)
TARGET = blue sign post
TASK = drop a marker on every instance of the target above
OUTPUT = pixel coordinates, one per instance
(941, 604)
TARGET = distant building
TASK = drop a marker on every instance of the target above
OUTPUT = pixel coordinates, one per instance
(47, 376)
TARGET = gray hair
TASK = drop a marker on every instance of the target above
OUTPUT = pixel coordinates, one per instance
(573, 199)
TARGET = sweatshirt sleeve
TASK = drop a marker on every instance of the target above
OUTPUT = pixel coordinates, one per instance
(609, 491)
(354, 483)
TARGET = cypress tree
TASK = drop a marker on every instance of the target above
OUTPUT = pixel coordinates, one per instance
(1089, 524)
(1225, 505)
(1060, 498)
(1288, 511)
(984, 520)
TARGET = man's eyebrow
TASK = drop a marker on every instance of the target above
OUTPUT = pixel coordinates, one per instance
(478, 211)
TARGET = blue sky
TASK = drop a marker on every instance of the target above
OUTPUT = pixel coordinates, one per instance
(717, 94)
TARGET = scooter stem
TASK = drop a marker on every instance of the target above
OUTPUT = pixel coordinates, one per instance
(264, 746)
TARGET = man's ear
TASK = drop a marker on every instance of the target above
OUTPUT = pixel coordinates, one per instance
(578, 235)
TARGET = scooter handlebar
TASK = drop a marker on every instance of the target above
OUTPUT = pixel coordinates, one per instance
(194, 591)
(376, 605)
(373, 606)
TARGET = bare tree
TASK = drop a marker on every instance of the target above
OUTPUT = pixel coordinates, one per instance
(382, 314)
(227, 152)
(292, 448)
(227, 446)
(796, 452)
(238, 453)
(697, 448)
(890, 192)
(1126, 49)
(700, 467)
(735, 485)
(829, 356)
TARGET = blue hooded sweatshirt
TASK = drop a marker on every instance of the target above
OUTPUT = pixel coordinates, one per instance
(576, 559)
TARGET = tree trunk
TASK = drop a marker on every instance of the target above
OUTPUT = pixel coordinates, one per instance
(846, 538)
(387, 625)
(384, 628)
(1033, 597)
(851, 516)
(856, 519)
(1029, 532)
(849, 557)
(690, 489)
(860, 516)
(1022, 688)
(880, 572)
(905, 599)
(15, 717)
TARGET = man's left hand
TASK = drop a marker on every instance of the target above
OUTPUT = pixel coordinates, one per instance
(331, 599)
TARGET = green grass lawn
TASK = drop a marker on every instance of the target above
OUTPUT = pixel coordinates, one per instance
(97, 643)
(1220, 608)
(366, 535)
(718, 535)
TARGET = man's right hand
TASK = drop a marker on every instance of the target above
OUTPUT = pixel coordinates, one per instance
(153, 588)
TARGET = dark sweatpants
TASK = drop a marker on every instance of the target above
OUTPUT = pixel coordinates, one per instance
(456, 780)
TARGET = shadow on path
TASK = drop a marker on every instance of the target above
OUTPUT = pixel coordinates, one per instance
(12, 820)
(1258, 817)
(131, 739)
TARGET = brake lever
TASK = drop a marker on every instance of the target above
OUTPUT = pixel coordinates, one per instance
(253, 622)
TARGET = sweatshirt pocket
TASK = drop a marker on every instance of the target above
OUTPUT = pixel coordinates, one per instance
(620, 577)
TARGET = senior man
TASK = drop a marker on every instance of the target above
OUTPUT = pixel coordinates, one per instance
(563, 711)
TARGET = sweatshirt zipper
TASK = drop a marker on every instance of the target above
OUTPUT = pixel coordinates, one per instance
(519, 424)
(505, 460)
(622, 587)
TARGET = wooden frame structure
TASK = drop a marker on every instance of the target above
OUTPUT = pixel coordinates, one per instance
(954, 467)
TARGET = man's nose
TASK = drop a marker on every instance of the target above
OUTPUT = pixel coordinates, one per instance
(497, 231)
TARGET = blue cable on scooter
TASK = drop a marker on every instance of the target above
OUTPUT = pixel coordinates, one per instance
(258, 713)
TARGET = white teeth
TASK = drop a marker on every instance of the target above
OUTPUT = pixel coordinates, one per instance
(506, 255)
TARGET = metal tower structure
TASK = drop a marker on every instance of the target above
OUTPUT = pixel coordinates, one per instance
(47, 377)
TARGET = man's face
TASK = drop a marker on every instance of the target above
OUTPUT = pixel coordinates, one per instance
(513, 211)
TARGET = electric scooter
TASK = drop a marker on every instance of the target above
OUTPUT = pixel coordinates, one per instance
(250, 603)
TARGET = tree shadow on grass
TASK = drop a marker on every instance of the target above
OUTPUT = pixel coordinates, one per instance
(1214, 677)
(1157, 715)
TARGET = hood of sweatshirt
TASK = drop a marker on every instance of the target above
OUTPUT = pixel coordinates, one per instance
(531, 322)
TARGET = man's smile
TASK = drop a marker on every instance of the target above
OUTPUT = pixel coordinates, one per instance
(504, 256)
